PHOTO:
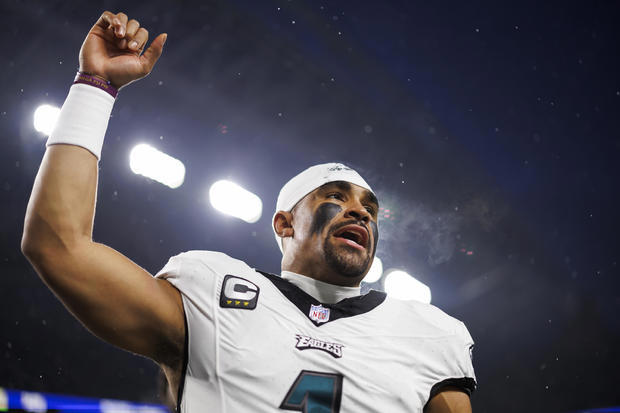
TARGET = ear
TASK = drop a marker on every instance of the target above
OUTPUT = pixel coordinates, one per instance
(283, 224)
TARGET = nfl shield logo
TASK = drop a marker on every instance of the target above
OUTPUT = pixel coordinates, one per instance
(319, 313)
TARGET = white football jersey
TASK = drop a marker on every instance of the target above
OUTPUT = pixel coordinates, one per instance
(257, 343)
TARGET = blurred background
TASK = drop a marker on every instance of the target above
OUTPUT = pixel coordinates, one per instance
(490, 131)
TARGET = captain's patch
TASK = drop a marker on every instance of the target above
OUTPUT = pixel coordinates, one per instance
(307, 342)
(238, 292)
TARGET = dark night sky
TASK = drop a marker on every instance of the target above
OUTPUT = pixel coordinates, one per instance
(487, 127)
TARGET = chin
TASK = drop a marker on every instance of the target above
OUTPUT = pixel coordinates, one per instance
(350, 264)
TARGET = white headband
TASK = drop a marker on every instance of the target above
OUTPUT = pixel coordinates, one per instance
(307, 181)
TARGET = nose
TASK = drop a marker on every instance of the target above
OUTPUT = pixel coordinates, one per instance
(358, 212)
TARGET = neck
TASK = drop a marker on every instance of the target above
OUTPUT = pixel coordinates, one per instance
(320, 273)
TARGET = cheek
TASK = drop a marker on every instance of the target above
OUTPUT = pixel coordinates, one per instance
(375, 235)
(322, 216)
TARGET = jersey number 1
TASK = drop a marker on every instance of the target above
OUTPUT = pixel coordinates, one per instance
(314, 392)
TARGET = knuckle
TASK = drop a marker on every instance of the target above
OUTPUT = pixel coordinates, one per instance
(107, 16)
(121, 15)
(134, 22)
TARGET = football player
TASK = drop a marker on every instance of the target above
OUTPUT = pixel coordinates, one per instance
(231, 338)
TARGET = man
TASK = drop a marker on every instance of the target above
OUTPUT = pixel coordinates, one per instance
(230, 338)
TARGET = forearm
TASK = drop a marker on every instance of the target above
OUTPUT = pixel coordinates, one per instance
(62, 204)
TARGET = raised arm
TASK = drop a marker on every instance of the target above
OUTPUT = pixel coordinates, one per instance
(112, 296)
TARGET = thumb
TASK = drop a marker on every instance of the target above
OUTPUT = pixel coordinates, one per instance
(151, 55)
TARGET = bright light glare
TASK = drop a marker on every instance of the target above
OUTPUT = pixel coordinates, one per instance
(375, 272)
(45, 117)
(148, 161)
(400, 285)
(231, 199)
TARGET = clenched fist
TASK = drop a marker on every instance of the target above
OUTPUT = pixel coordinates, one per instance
(113, 50)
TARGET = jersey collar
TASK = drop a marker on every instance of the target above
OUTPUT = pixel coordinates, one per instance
(307, 304)
(322, 291)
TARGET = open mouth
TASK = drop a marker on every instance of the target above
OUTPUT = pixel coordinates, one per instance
(354, 235)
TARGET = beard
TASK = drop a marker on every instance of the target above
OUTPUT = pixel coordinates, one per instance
(349, 264)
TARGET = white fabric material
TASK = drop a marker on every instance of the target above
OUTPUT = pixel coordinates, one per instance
(310, 179)
(324, 292)
(83, 118)
(243, 360)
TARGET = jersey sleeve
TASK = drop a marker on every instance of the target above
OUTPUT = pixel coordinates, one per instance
(459, 370)
(194, 274)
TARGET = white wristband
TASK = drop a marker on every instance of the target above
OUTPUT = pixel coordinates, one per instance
(83, 118)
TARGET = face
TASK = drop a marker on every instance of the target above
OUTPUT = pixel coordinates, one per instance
(335, 229)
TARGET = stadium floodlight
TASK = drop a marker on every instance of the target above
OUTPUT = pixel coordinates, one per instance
(232, 199)
(375, 272)
(152, 163)
(45, 117)
(400, 285)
